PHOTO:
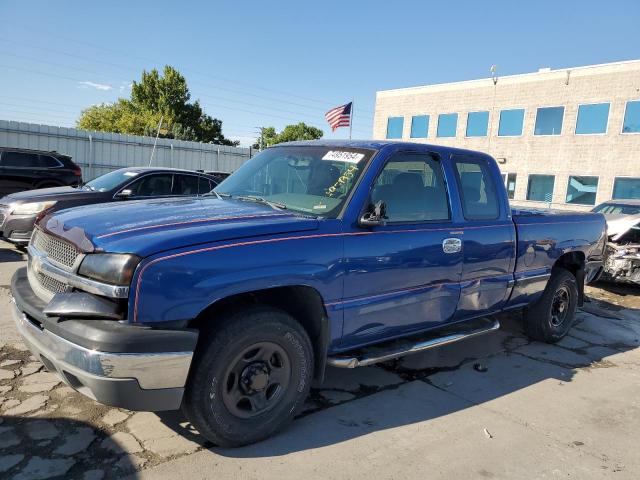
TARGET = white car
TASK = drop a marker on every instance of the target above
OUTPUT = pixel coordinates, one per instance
(623, 248)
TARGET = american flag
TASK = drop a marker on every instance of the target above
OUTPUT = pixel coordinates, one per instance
(339, 116)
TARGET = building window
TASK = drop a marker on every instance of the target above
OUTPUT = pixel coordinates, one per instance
(419, 126)
(511, 185)
(477, 124)
(447, 124)
(632, 118)
(549, 121)
(624, 187)
(540, 188)
(582, 190)
(592, 119)
(511, 122)
(394, 127)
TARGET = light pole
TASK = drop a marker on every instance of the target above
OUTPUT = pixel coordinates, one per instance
(260, 130)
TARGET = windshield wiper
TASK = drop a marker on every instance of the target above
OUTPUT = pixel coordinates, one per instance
(213, 193)
(255, 198)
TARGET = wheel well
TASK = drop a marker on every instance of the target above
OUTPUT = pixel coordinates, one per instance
(574, 262)
(301, 302)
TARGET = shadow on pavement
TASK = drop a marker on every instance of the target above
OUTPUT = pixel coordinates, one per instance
(441, 382)
(9, 253)
(58, 448)
(619, 288)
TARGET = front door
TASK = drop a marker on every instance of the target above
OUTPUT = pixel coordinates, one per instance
(398, 278)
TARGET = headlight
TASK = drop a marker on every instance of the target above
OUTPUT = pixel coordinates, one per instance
(31, 208)
(112, 268)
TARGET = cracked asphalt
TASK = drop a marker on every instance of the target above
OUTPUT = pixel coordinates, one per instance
(495, 406)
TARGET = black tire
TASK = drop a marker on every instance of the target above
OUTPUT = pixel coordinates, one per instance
(229, 383)
(551, 317)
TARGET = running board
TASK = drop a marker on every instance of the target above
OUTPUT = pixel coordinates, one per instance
(400, 348)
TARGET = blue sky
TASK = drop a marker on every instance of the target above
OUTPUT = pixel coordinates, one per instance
(273, 63)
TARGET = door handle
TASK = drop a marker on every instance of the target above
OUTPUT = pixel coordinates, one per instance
(451, 245)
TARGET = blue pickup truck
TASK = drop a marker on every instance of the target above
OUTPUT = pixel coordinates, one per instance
(312, 254)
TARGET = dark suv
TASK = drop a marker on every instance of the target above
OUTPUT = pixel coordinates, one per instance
(28, 169)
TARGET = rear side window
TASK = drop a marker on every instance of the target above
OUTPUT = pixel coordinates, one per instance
(412, 188)
(19, 159)
(185, 185)
(153, 186)
(204, 186)
(477, 189)
(28, 160)
(47, 161)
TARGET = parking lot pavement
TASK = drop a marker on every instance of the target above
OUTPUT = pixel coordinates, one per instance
(496, 406)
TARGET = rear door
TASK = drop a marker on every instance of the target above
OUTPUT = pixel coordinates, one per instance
(488, 237)
(399, 278)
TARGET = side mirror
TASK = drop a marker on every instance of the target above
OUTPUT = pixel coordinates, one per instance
(376, 217)
(124, 194)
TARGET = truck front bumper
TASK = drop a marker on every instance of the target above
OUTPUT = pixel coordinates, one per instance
(108, 361)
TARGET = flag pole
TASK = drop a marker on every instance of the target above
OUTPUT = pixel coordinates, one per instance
(351, 119)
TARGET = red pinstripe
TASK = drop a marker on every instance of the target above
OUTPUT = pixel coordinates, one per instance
(197, 220)
(282, 239)
(302, 237)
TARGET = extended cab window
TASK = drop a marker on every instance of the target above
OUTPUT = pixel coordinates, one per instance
(479, 197)
(412, 188)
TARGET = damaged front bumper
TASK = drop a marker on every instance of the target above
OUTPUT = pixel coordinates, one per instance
(622, 263)
(115, 363)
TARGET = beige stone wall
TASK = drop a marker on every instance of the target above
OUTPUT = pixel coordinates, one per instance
(605, 156)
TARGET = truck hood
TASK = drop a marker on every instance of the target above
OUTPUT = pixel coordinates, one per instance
(147, 227)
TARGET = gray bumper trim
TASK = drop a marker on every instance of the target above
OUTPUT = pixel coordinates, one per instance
(166, 370)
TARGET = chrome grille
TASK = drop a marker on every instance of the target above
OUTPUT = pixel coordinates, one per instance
(57, 250)
(1, 218)
(51, 284)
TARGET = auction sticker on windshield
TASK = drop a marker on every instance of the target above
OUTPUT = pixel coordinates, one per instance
(340, 156)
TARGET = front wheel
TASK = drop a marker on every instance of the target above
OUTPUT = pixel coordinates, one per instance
(551, 317)
(250, 378)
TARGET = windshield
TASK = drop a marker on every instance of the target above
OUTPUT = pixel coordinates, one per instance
(617, 209)
(312, 180)
(111, 180)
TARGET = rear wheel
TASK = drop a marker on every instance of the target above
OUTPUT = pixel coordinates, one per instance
(551, 317)
(250, 377)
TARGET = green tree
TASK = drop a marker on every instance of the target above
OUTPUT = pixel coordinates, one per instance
(290, 133)
(156, 96)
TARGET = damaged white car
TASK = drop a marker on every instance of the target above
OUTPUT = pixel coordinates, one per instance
(623, 248)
